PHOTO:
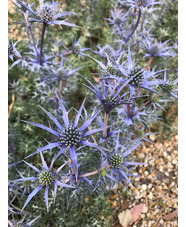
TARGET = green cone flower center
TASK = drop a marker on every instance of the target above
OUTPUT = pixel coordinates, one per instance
(111, 69)
(70, 136)
(116, 160)
(138, 79)
(117, 20)
(51, 94)
(168, 88)
(10, 49)
(143, 3)
(154, 50)
(107, 51)
(77, 48)
(46, 178)
(139, 133)
(60, 73)
(110, 100)
(46, 13)
(103, 172)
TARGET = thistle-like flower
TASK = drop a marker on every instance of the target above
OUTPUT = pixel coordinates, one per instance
(61, 73)
(155, 49)
(138, 3)
(70, 135)
(170, 87)
(78, 49)
(47, 13)
(118, 162)
(22, 224)
(110, 96)
(12, 51)
(106, 51)
(136, 76)
(45, 179)
(117, 17)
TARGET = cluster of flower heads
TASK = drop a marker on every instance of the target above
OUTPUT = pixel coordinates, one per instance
(118, 124)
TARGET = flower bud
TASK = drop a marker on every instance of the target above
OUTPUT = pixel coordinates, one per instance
(139, 133)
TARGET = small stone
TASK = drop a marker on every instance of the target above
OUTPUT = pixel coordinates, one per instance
(141, 155)
(150, 196)
(165, 154)
(172, 184)
(144, 187)
(145, 210)
(174, 161)
(166, 173)
(152, 137)
(146, 173)
(149, 186)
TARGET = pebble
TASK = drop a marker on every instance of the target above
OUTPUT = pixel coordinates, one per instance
(158, 180)
(144, 187)
(146, 173)
(145, 209)
(165, 154)
(141, 155)
(150, 196)
(149, 186)
(174, 161)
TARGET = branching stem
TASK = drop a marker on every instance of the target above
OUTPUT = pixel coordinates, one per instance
(31, 34)
(42, 41)
(105, 125)
(128, 37)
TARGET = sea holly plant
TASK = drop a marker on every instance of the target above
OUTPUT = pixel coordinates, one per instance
(89, 146)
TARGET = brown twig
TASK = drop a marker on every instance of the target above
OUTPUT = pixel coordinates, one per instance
(92, 136)
(10, 223)
(146, 103)
(93, 173)
(11, 105)
(67, 53)
(105, 125)
(149, 62)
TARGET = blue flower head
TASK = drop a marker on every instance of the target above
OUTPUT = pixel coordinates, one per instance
(170, 87)
(136, 77)
(109, 96)
(61, 73)
(138, 3)
(106, 51)
(119, 164)
(46, 177)
(78, 49)
(22, 223)
(155, 49)
(47, 13)
(117, 17)
(12, 51)
(70, 135)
